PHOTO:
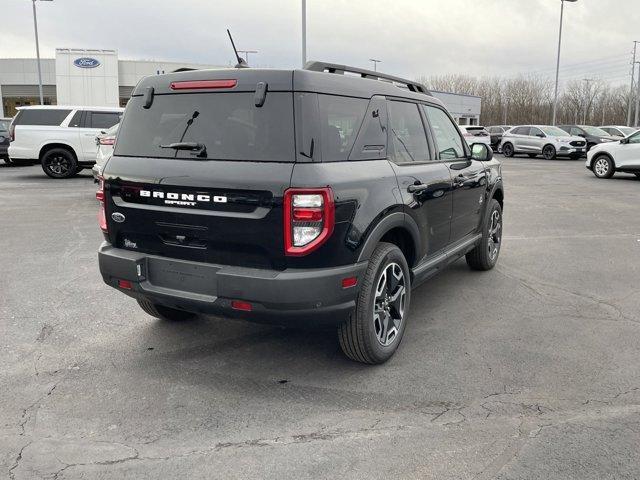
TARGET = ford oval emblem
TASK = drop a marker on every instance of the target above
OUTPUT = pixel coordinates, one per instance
(86, 62)
(118, 217)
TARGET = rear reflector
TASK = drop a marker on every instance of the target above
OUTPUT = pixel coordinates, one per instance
(349, 282)
(126, 284)
(107, 141)
(240, 305)
(203, 84)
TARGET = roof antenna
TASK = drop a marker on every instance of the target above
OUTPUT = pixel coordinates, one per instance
(241, 61)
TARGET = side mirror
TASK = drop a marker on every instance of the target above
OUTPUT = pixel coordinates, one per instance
(624, 140)
(481, 152)
(540, 135)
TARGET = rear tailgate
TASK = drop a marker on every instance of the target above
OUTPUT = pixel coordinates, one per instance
(223, 206)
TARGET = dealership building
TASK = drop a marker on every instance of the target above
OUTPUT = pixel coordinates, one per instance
(100, 78)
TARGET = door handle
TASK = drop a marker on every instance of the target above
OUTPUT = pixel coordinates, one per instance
(417, 188)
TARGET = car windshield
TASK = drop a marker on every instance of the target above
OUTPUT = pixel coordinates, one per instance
(554, 131)
(626, 131)
(595, 131)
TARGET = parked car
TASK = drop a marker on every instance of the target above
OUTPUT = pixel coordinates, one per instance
(593, 135)
(4, 139)
(619, 131)
(495, 133)
(606, 159)
(61, 138)
(272, 195)
(105, 142)
(475, 134)
(534, 140)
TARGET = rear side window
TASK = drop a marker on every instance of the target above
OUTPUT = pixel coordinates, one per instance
(407, 133)
(340, 120)
(102, 120)
(521, 131)
(446, 134)
(228, 125)
(45, 116)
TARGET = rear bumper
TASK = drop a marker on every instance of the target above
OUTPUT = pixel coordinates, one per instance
(295, 297)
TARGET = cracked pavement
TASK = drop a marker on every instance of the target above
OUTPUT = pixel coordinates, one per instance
(528, 371)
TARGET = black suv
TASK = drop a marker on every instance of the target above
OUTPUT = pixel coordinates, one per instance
(318, 197)
(593, 135)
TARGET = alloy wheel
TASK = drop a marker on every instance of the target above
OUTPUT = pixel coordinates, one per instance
(389, 304)
(495, 235)
(601, 167)
(549, 152)
(58, 165)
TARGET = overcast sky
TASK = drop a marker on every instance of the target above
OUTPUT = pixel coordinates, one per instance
(411, 37)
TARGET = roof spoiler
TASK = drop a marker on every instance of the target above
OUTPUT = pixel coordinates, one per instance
(370, 74)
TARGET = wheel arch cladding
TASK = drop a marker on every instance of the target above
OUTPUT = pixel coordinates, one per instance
(398, 229)
(498, 194)
(51, 146)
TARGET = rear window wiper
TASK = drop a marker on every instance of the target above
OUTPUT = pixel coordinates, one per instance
(190, 146)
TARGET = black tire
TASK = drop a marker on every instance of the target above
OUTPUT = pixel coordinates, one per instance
(165, 313)
(367, 337)
(507, 150)
(602, 166)
(485, 255)
(7, 160)
(532, 155)
(549, 152)
(637, 174)
(59, 163)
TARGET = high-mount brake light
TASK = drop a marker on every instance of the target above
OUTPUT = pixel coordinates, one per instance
(309, 219)
(102, 215)
(203, 84)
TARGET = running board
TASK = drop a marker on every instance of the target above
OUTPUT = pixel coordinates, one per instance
(433, 265)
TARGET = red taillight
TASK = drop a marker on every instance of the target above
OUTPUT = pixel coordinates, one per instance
(126, 284)
(240, 305)
(309, 218)
(102, 215)
(203, 84)
(107, 140)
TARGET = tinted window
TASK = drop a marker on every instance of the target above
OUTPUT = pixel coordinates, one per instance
(76, 119)
(407, 134)
(36, 116)
(340, 120)
(371, 142)
(447, 135)
(229, 125)
(103, 119)
(576, 131)
(635, 138)
(521, 131)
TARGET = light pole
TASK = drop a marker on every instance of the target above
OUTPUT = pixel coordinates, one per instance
(375, 63)
(304, 33)
(555, 98)
(35, 27)
(247, 52)
(506, 105)
(633, 71)
(637, 98)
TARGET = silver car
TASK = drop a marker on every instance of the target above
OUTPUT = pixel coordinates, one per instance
(534, 140)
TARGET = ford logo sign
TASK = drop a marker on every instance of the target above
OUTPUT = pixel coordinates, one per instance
(117, 217)
(86, 62)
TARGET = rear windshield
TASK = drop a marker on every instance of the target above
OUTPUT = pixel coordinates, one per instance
(41, 116)
(228, 125)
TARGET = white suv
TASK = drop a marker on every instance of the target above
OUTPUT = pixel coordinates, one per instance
(605, 159)
(62, 139)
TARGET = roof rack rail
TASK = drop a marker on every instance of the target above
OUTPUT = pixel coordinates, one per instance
(364, 73)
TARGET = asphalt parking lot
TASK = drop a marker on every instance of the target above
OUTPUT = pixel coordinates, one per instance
(529, 371)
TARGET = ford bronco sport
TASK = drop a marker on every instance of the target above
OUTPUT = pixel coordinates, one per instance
(318, 196)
